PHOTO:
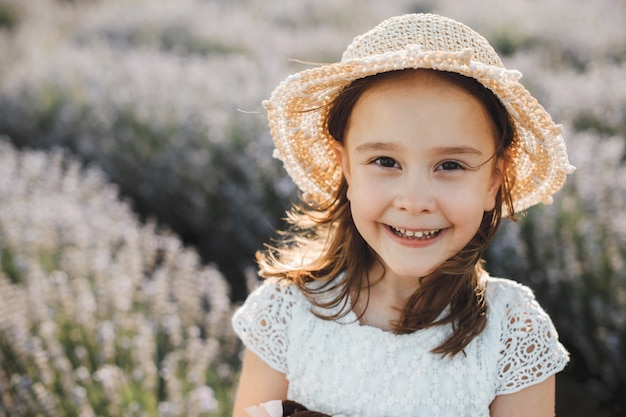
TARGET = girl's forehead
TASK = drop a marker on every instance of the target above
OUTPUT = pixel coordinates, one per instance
(433, 98)
(413, 108)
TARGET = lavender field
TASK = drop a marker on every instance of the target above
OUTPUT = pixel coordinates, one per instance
(136, 182)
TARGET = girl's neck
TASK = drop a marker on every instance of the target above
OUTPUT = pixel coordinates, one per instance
(380, 304)
(392, 288)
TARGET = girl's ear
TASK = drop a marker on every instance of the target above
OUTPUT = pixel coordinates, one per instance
(495, 183)
(341, 155)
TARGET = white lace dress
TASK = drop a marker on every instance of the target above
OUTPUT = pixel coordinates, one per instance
(361, 371)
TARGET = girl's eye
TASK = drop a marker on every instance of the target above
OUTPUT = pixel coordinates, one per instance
(450, 166)
(386, 162)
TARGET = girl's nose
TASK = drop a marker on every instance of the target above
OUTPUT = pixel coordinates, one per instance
(415, 195)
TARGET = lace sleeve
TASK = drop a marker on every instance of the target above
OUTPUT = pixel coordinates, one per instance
(530, 351)
(262, 323)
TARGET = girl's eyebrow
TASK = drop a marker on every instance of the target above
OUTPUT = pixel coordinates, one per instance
(445, 150)
(378, 146)
(458, 150)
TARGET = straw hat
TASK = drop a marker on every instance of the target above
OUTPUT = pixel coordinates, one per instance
(298, 106)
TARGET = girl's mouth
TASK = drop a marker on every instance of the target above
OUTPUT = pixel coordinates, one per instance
(415, 234)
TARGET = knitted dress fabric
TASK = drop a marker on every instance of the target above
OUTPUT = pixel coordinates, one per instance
(343, 367)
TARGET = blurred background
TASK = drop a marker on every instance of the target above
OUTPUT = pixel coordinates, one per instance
(136, 183)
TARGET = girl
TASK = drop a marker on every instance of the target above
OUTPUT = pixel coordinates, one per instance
(408, 152)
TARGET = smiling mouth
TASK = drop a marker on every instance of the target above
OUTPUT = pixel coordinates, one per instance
(415, 234)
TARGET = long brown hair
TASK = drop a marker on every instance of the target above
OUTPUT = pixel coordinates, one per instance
(322, 241)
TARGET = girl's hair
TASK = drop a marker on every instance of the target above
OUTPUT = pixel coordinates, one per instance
(322, 242)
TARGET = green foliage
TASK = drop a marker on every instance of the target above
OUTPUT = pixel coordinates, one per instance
(585, 122)
(9, 15)
(507, 42)
(100, 314)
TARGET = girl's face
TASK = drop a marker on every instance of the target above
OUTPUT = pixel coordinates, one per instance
(417, 156)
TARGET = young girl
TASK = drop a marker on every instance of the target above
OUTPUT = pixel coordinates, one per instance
(408, 152)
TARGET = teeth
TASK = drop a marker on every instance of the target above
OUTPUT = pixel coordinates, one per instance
(416, 234)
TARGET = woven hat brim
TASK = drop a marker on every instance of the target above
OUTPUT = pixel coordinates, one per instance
(298, 106)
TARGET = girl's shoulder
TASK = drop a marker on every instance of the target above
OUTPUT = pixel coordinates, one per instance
(262, 322)
(273, 296)
(503, 294)
(511, 303)
(527, 341)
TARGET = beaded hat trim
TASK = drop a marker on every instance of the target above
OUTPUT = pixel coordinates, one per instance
(298, 106)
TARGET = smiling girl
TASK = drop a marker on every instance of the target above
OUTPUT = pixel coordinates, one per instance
(408, 152)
